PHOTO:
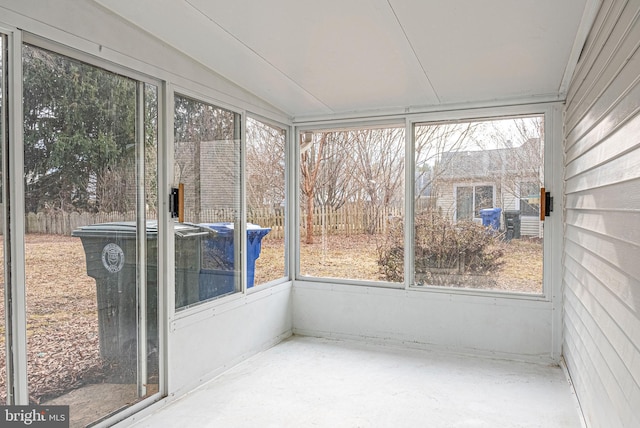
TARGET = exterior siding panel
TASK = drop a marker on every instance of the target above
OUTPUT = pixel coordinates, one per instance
(531, 226)
(602, 231)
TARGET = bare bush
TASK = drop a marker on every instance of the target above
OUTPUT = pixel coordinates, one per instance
(442, 248)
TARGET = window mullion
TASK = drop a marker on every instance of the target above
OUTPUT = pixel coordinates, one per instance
(17, 317)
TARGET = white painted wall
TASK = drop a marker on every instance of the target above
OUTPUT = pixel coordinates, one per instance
(474, 324)
(211, 340)
(602, 231)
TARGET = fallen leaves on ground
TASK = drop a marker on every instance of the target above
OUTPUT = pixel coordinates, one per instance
(62, 322)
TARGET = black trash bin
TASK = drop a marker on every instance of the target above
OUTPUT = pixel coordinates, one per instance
(512, 225)
(110, 250)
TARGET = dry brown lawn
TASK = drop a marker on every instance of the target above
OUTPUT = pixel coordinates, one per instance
(62, 322)
(354, 257)
(62, 326)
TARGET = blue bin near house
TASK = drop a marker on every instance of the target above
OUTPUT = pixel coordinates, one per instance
(491, 217)
(218, 276)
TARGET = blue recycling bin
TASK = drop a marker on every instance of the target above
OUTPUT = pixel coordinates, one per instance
(491, 217)
(218, 274)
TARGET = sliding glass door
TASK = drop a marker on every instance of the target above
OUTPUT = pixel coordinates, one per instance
(90, 162)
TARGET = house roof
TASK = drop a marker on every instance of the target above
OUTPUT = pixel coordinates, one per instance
(322, 59)
(484, 164)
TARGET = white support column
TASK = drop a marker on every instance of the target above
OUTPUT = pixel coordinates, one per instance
(242, 247)
(290, 243)
(293, 204)
(14, 210)
(141, 241)
(409, 177)
(166, 240)
(554, 225)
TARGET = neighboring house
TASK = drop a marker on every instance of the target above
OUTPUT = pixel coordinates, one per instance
(209, 174)
(467, 181)
(424, 189)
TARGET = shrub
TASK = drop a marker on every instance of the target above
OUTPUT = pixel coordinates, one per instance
(441, 248)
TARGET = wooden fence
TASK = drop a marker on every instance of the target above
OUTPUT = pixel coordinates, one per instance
(348, 220)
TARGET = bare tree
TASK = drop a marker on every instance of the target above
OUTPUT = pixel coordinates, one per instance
(334, 186)
(378, 163)
(363, 166)
(432, 142)
(521, 154)
(310, 164)
(265, 165)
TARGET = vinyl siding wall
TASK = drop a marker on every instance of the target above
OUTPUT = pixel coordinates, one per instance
(602, 231)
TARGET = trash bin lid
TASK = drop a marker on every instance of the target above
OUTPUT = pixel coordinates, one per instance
(186, 230)
(223, 228)
(127, 229)
(227, 227)
(490, 210)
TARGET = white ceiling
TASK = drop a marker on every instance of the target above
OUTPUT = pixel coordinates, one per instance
(332, 57)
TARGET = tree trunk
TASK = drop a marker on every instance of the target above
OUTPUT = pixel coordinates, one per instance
(310, 209)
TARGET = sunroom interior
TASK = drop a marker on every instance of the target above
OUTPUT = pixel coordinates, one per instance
(206, 206)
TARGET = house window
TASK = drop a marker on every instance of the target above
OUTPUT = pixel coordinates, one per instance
(471, 199)
(529, 199)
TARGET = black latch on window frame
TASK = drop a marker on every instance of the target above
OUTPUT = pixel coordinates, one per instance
(174, 204)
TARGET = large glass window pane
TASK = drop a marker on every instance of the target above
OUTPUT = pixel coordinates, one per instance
(475, 228)
(3, 337)
(352, 195)
(483, 197)
(89, 155)
(265, 202)
(208, 248)
(529, 199)
(464, 203)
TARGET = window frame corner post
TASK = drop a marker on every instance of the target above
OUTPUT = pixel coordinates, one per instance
(16, 364)
(293, 205)
(409, 203)
(241, 129)
(166, 240)
(554, 225)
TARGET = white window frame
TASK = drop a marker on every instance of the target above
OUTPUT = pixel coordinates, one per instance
(287, 187)
(17, 206)
(553, 183)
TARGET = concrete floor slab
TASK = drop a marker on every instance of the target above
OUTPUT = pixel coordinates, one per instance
(310, 382)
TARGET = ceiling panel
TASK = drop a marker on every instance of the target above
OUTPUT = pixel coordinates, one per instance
(179, 25)
(501, 49)
(343, 56)
(345, 53)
